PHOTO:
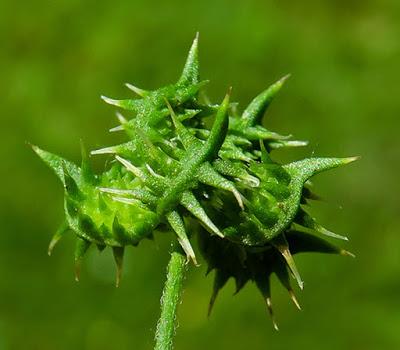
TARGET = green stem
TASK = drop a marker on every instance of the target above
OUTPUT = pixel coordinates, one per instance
(170, 299)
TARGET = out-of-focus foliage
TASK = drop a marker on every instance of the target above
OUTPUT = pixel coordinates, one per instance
(57, 58)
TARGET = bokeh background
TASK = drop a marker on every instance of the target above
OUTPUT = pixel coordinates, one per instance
(58, 57)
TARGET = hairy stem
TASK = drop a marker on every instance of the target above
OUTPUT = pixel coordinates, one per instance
(170, 299)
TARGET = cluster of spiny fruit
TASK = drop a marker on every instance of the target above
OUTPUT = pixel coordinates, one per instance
(177, 173)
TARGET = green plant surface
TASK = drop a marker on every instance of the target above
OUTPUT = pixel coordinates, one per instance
(170, 300)
(175, 171)
(58, 58)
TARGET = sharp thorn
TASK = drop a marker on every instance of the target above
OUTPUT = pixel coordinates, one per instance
(333, 235)
(114, 191)
(294, 299)
(187, 248)
(124, 200)
(57, 236)
(118, 253)
(77, 271)
(152, 172)
(110, 101)
(271, 313)
(211, 303)
(128, 165)
(106, 150)
(239, 199)
(282, 246)
(81, 248)
(351, 159)
(117, 128)
(347, 253)
(286, 77)
(121, 118)
(136, 90)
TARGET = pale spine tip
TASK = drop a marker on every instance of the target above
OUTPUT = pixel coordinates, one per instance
(117, 128)
(347, 253)
(109, 100)
(351, 159)
(294, 299)
(284, 78)
(136, 90)
(106, 150)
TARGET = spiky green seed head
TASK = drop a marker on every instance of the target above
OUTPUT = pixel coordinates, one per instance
(220, 181)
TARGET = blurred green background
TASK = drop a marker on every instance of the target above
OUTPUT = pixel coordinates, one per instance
(58, 57)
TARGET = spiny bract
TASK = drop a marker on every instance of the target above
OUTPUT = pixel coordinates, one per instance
(221, 182)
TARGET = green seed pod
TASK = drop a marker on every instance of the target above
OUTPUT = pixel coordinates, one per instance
(175, 171)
